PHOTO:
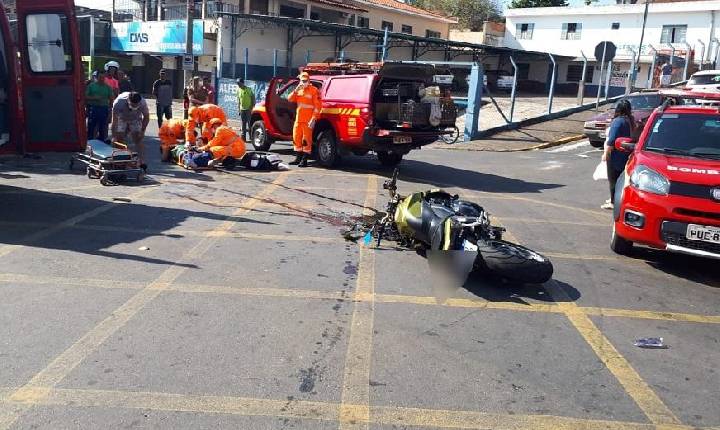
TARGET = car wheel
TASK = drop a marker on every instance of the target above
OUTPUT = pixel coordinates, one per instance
(389, 159)
(259, 136)
(327, 149)
(597, 143)
(620, 245)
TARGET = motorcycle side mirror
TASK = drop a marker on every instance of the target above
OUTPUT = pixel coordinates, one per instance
(624, 144)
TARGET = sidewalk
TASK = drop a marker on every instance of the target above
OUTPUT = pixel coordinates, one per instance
(535, 136)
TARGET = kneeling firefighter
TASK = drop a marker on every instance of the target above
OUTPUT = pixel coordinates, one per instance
(171, 134)
(309, 106)
(225, 143)
(200, 116)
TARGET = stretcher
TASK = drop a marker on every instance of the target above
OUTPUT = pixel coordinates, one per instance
(110, 163)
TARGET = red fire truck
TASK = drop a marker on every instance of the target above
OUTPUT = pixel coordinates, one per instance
(41, 79)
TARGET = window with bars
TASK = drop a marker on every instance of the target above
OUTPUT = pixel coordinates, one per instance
(388, 25)
(524, 31)
(363, 22)
(571, 31)
(407, 29)
(615, 26)
(432, 33)
(673, 34)
(574, 73)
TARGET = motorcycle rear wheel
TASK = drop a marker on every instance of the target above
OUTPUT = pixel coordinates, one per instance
(513, 262)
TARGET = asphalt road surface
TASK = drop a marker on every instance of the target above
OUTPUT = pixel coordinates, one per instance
(230, 300)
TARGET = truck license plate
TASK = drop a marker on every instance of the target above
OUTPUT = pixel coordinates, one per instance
(703, 233)
(402, 139)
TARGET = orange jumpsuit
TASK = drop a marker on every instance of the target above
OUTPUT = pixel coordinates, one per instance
(226, 143)
(171, 132)
(202, 116)
(309, 106)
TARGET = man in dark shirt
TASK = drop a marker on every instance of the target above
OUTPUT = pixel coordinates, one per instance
(124, 84)
(163, 92)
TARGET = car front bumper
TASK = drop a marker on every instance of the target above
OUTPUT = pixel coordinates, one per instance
(595, 134)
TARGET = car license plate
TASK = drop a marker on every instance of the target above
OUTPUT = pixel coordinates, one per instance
(398, 140)
(703, 233)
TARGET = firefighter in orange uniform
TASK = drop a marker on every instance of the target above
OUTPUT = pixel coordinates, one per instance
(225, 143)
(309, 105)
(171, 134)
(200, 116)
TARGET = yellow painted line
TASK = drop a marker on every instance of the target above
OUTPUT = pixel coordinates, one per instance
(321, 411)
(262, 292)
(11, 278)
(597, 214)
(466, 303)
(557, 222)
(355, 398)
(39, 385)
(51, 190)
(652, 315)
(564, 256)
(42, 234)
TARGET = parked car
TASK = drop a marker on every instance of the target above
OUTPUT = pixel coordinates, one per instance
(505, 82)
(669, 196)
(704, 80)
(642, 105)
(367, 107)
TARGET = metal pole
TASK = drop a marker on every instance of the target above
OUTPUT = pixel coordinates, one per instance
(92, 45)
(640, 47)
(472, 116)
(342, 56)
(687, 60)
(513, 93)
(602, 65)
(717, 49)
(552, 84)
(630, 81)
(581, 84)
(607, 82)
(275, 62)
(672, 59)
(308, 57)
(220, 51)
(246, 60)
(187, 74)
(702, 54)
(651, 72)
(385, 45)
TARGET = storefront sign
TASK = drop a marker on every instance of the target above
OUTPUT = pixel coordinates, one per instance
(157, 37)
(227, 94)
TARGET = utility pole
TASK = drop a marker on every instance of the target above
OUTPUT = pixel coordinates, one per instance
(187, 76)
(633, 73)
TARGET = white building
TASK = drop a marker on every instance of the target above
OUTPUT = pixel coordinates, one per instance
(571, 31)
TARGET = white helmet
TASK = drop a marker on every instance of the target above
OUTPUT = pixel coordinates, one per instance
(110, 64)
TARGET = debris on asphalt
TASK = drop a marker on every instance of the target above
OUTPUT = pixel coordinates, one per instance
(121, 200)
(143, 248)
(651, 343)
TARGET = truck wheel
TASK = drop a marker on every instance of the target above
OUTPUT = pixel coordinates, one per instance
(327, 148)
(597, 143)
(389, 159)
(620, 245)
(258, 134)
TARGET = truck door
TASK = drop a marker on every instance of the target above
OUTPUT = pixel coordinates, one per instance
(8, 89)
(51, 73)
(280, 111)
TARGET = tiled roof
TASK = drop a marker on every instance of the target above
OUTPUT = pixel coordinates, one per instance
(394, 4)
(340, 4)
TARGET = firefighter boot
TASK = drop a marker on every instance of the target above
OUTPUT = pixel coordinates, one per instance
(303, 162)
(297, 160)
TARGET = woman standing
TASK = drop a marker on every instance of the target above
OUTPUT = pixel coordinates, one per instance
(622, 125)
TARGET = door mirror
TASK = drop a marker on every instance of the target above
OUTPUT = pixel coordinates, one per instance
(624, 144)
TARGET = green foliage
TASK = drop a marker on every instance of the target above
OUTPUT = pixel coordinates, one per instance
(470, 13)
(516, 4)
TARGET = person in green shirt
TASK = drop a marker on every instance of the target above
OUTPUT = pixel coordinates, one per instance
(98, 96)
(246, 102)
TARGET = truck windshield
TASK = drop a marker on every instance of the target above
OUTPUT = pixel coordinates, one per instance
(705, 80)
(695, 135)
(649, 101)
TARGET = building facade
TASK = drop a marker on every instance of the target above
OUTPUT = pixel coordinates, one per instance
(681, 31)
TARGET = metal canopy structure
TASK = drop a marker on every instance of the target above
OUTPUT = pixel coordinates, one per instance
(345, 35)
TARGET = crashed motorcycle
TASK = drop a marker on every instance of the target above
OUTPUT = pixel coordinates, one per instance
(435, 220)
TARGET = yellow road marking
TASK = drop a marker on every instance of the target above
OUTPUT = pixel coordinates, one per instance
(42, 234)
(10, 278)
(40, 384)
(557, 222)
(355, 399)
(51, 190)
(600, 215)
(319, 411)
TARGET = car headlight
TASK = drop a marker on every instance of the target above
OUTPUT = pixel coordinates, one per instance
(644, 178)
(589, 124)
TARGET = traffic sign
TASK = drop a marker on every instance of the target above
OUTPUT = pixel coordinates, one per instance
(188, 62)
(608, 49)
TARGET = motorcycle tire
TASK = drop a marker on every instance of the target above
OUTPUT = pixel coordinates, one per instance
(513, 262)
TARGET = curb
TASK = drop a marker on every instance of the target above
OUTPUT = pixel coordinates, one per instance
(545, 145)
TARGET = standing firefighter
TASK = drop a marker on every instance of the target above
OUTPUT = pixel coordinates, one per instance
(309, 105)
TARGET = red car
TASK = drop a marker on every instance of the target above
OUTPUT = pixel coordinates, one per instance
(385, 108)
(669, 196)
(643, 104)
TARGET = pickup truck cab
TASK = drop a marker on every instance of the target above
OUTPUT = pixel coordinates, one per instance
(387, 108)
(669, 196)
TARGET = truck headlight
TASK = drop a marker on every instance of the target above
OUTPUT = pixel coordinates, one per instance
(644, 178)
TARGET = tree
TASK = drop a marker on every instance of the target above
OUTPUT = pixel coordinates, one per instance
(471, 14)
(517, 4)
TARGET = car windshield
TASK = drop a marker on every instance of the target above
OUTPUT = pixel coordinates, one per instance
(694, 135)
(705, 80)
(648, 101)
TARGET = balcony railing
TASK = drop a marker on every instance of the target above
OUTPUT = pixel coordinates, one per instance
(133, 10)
